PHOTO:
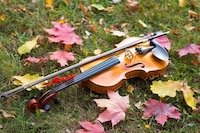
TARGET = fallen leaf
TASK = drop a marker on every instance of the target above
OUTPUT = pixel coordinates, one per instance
(56, 80)
(182, 3)
(62, 57)
(28, 46)
(118, 33)
(132, 5)
(49, 3)
(164, 41)
(90, 127)
(64, 33)
(1, 127)
(142, 23)
(170, 87)
(116, 107)
(109, 9)
(35, 60)
(101, 21)
(175, 31)
(98, 7)
(34, 1)
(188, 96)
(189, 49)
(97, 51)
(130, 89)
(116, 1)
(5, 1)
(26, 79)
(147, 126)
(93, 27)
(6, 115)
(2, 17)
(83, 8)
(139, 105)
(189, 27)
(160, 110)
(193, 14)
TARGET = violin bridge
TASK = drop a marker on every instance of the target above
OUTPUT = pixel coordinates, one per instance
(128, 55)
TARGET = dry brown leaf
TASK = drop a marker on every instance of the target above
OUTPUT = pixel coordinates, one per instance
(5, 1)
(67, 47)
(175, 31)
(124, 25)
(2, 17)
(34, 1)
(189, 27)
(139, 105)
(97, 51)
(83, 8)
(6, 115)
(195, 3)
(132, 5)
(93, 27)
(182, 3)
(101, 21)
(193, 14)
(109, 9)
(118, 33)
(106, 30)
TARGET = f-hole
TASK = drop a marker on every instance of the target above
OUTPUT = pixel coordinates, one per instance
(128, 66)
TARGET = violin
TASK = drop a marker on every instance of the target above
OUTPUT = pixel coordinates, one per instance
(133, 57)
(136, 61)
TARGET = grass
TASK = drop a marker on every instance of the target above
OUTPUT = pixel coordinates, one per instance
(77, 103)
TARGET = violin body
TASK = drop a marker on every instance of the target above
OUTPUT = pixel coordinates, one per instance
(140, 65)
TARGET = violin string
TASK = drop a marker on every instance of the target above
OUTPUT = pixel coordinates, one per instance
(81, 76)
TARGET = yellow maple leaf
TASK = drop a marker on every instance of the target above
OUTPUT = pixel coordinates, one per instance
(182, 3)
(188, 96)
(2, 17)
(168, 88)
(28, 46)
(49, 3)
(26, 79)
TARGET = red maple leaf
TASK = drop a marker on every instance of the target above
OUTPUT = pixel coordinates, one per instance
(63, 32)
(164, 41)
(62, 57)
(189, 49)
(59, 79)
(35, 60)
(116, 107)
(90, 127)
(160, 110)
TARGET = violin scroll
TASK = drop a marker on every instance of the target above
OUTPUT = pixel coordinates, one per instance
(42, 102)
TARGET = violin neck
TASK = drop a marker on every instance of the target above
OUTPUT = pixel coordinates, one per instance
(88, 73)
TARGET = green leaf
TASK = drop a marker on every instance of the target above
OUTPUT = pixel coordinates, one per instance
(98, 6)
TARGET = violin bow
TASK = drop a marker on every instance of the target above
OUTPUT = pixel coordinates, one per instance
(24, 87)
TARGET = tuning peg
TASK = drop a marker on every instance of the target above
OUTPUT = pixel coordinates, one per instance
(47, 107)
(56, 100)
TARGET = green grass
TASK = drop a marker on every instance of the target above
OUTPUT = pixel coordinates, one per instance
(77, 103)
